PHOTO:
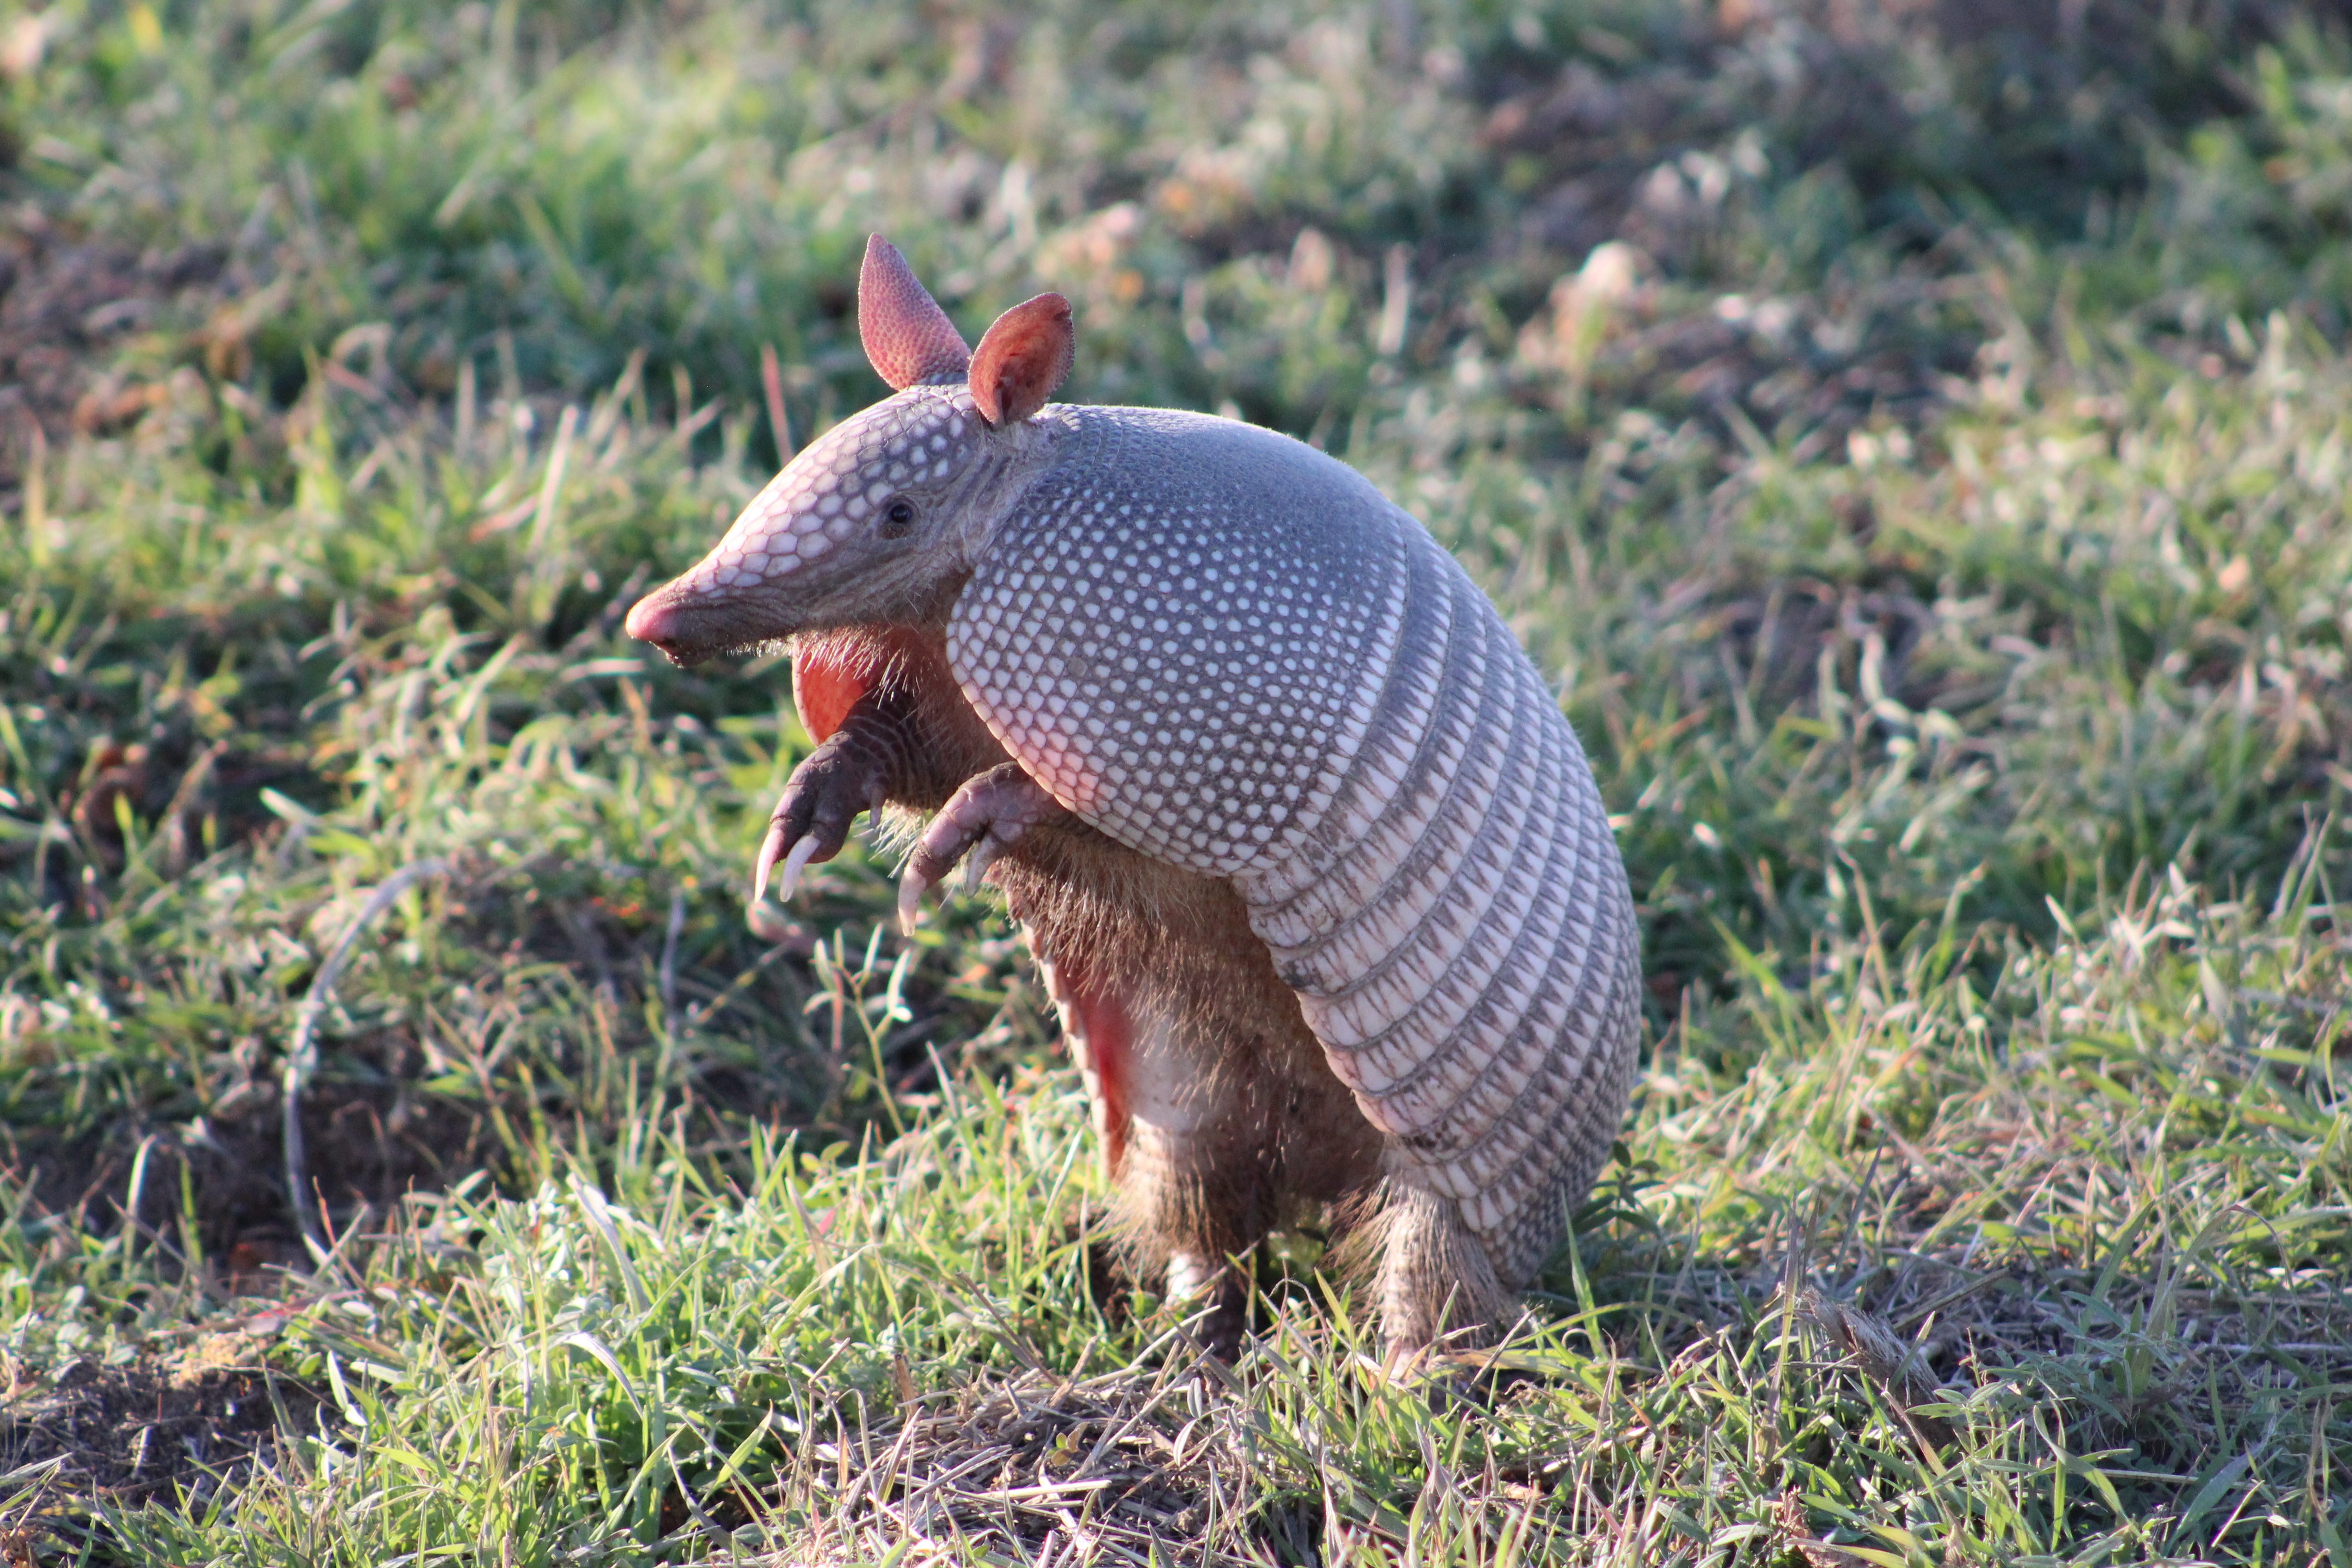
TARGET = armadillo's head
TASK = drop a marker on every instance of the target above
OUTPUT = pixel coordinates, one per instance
(881, 516)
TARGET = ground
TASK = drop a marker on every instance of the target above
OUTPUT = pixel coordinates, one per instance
(1913, 440)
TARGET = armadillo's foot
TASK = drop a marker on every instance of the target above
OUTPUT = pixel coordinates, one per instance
(987, 817)
(847, 775)
(1189, 1275)
(1218, 1296)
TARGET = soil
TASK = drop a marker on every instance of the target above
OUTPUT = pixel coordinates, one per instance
(68, 301)
(368, 1144)
(194, 1422)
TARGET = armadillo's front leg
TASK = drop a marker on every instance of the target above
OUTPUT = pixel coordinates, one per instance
(988, 815)
(854, 769)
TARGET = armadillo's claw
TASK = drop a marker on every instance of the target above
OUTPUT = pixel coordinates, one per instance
(804, 850)
(987, 817)
(976, 864)
(841, 778)
(933, 859)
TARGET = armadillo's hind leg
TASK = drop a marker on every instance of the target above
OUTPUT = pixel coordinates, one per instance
(1197, 1196)
(1186, 1143)
(989, 814)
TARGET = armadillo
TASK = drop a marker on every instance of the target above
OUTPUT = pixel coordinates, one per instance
(1314, 868)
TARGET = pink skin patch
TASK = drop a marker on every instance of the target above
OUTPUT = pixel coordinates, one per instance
(825, 689)
(1106, 1037)
(830, 674)
(1100, 1033)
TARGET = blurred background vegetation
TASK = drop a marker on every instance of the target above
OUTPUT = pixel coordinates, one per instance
(1914, 435)
(1910, 431)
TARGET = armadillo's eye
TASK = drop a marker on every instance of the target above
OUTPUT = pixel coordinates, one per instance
(897, 517)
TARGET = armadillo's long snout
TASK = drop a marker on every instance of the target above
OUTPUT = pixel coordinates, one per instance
(683, 623)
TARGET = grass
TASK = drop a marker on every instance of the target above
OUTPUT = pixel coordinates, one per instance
(1930, 497)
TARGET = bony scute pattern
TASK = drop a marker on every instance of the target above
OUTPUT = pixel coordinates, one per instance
(1149, 648)
(1228, 653)
(837, 487)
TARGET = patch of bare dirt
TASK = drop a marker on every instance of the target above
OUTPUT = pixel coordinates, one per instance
(369, 1142)
(69, 300)
(196, 1420)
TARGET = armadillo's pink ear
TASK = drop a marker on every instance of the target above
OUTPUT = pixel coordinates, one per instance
(909, 338)
(1022, 359)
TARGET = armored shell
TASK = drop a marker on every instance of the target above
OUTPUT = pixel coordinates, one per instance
(1232, 652)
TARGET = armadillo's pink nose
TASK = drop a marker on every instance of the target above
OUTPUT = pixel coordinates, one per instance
(653, 620)
(667, 618)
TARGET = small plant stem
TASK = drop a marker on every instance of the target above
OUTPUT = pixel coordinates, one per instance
(302, 1057)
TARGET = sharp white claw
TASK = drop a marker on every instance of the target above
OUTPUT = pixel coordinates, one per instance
(976, 864)
(910, 903)
(794, 863)
(1187, 1276)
